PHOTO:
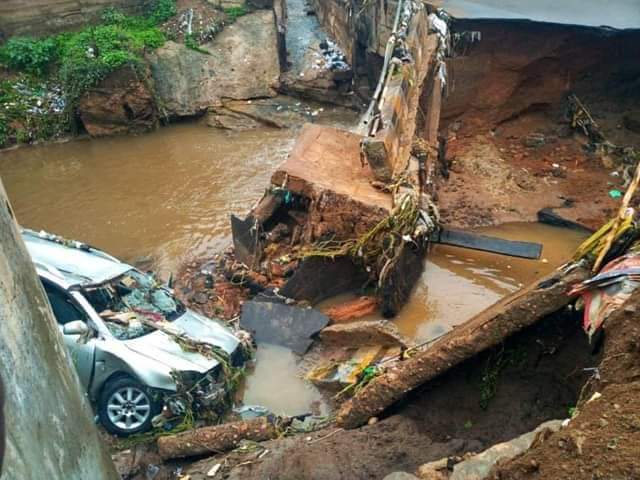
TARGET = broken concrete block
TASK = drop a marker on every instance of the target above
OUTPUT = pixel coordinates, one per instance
(352, 310)
(377, 332)
(283, 325)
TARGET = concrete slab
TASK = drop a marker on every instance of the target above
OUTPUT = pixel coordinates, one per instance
(281, 324)
(326, 158)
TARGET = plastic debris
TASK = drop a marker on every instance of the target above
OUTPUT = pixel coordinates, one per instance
(615, 194)
(607, 291)
(248, 412)
(213, 471)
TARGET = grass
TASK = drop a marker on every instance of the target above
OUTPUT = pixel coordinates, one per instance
(233, 13)
(496, 363)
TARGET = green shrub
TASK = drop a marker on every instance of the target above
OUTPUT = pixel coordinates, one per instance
(29, 54)
(163, 10)
(113, 16)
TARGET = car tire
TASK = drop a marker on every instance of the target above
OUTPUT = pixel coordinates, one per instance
(126, 407)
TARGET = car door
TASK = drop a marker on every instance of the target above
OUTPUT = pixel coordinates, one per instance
(81, 349)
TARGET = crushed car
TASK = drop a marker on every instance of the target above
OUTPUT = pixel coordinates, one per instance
(141, 355)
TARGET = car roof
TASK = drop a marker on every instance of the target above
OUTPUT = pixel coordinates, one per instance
(70, 261)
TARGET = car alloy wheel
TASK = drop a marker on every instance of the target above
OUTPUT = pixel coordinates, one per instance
(128, 408)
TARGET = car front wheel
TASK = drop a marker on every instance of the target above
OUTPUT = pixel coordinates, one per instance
(126, 407)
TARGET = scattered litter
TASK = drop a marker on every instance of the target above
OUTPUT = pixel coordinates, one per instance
(213, 471)
(333, 56)
(339, 375)
(308, 424)
(615, 194)
(152, 471)
(595, 396)
(609, 290)
(247, 412)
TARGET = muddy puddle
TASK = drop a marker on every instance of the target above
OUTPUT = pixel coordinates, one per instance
(275, 383)
(458, 283)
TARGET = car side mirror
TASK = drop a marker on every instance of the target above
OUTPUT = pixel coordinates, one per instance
(76, 327)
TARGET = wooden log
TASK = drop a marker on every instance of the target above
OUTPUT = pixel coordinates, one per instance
(216, 439)
(485, 330)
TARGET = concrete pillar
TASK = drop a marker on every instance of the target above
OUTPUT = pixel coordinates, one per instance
(50, 433)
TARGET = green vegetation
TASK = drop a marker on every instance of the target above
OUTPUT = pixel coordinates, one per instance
(190, 41)
(233, 13)
(52, 73)
(496, 363)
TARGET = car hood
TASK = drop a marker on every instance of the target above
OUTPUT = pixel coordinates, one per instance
(161, 347)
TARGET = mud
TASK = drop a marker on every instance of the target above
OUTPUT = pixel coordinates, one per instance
(602, 440)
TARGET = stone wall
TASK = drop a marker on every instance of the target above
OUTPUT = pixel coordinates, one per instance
(50, 431)
(34, 17)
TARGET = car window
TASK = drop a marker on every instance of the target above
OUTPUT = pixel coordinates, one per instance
(128, 304)
(62, 305)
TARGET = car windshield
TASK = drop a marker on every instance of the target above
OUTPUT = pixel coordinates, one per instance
(131, 303)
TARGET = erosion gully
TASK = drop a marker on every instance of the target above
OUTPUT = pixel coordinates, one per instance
(164, 198)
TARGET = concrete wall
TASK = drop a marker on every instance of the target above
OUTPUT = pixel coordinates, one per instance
(34, 17)
(50, 430)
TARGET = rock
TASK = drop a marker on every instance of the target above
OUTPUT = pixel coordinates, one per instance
(380, 332)
(534, 140)
(200, 298)
(436, 470)
(243, 64)
(278, 112)
(121, 103)
(400, 476)
(478, 466)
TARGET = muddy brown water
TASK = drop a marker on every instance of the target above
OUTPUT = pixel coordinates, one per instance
(168, 195)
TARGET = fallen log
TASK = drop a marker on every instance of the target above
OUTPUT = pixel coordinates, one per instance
(485, 330)
(217, 439)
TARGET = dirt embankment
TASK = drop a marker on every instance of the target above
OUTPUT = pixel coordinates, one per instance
(510, 150)
(602, 441)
